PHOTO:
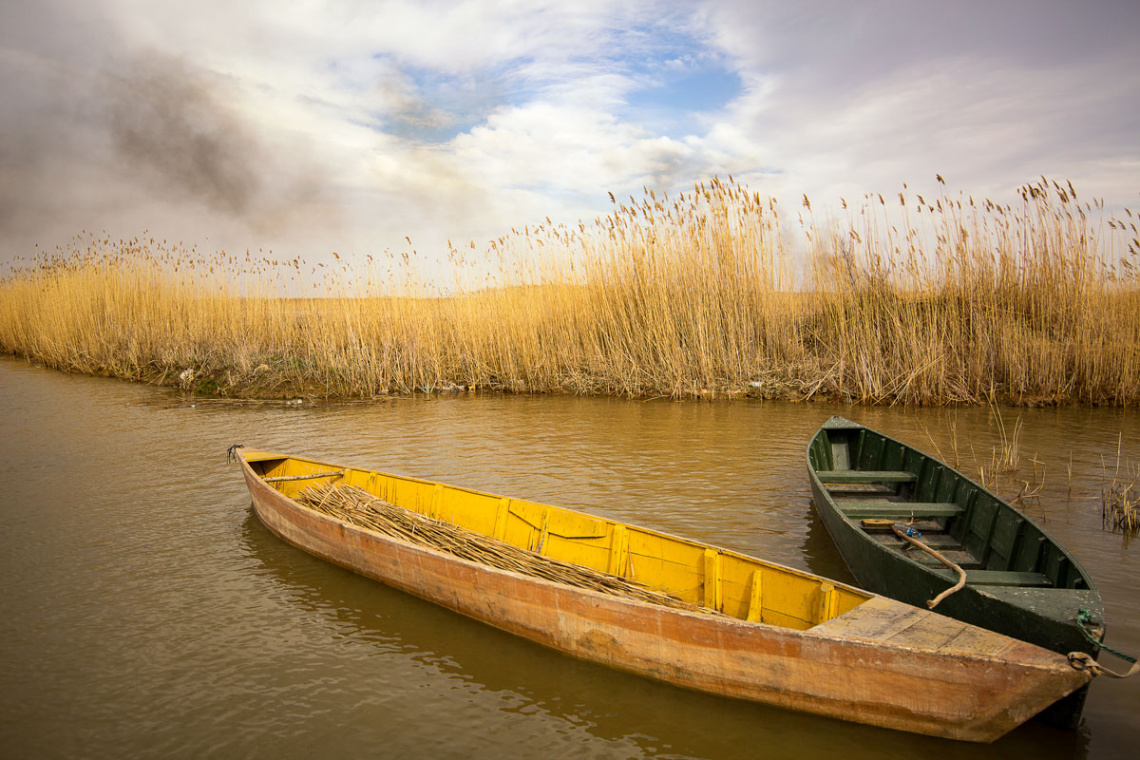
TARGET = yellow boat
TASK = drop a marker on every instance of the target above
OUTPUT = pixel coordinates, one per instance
(745, 628)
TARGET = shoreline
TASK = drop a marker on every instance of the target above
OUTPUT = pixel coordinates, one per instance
(214, 388)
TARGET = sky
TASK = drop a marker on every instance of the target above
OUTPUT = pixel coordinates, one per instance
(311, 126)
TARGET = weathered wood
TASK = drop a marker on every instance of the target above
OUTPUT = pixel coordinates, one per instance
(619, 551)
(1007, 578)
(313, 476)
(756, 598)
(866, 476)
(927, 682)
(860, 508)
(712, 588)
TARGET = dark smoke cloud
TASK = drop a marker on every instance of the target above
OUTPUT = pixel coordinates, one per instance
(175, 127)
(96, 132)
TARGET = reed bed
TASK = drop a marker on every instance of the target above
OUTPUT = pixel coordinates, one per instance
(359, 507)
(1121, 508)
(1120, 496)
(706, 294)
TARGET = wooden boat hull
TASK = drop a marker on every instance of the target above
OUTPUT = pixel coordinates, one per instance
(1044, 616)
(881, 663)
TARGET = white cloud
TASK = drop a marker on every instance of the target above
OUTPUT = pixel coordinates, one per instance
(360, 123)
(845, 98)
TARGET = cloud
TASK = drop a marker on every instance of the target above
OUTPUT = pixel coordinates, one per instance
(847, 98)
(101, 135)
(345, 126)
(174, 127)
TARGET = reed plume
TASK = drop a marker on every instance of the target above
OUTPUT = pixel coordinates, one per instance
(705, 294)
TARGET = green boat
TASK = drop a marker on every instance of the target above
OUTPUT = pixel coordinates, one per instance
(880, 499)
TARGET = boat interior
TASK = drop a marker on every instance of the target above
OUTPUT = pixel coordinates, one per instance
(877, 483)
(730, 583)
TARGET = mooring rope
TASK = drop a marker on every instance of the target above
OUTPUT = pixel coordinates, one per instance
(1083, 661)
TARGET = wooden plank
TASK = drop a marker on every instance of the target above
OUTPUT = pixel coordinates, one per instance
(501, 518)
(875, 620)
(866, 476)
(858, 508)
(542, 534)
(828, 602)
(840, 455)
(311, 476)
(1006, 578)
(712, 598)
(974, 641)
(436, 502)
(756, 598)
(952, 552)
(933, 631)
(1001, 578)
(619, 551)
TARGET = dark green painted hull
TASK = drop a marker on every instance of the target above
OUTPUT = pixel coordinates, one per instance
(998, 539)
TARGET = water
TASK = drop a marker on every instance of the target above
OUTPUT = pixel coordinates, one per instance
(146, 612)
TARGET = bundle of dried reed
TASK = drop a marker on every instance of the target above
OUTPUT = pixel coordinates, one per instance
(359, 507)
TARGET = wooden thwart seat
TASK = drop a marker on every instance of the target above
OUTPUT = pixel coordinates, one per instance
(1006, 578)
(868, 508)
(866, 476)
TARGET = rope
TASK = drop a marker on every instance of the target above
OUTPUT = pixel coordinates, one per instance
(906, 535)
(1084, 661)
(1085, 622)
(231, 452)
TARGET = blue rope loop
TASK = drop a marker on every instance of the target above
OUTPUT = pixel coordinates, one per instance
(1086, 624)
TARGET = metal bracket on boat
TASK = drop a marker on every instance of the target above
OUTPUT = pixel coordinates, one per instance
(231, 452)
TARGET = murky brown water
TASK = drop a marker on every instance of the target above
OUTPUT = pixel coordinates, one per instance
(146, 612)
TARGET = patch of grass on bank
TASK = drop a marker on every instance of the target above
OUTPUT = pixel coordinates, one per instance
(927, 301)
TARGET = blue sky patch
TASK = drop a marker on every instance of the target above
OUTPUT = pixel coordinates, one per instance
(672, 77)
(670, 104)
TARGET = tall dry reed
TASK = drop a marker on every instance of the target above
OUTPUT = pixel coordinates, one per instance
(702, 294)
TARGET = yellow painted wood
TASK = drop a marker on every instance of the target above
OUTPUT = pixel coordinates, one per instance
(544, 532)
(523, 523)
(756, 598)
(712, 589)
(720, 579)
(501, 518)
(436, 502)
(828, 602)
(619, 551)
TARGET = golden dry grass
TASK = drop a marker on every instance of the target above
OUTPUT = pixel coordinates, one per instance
(1120, 495)
(701, 295)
